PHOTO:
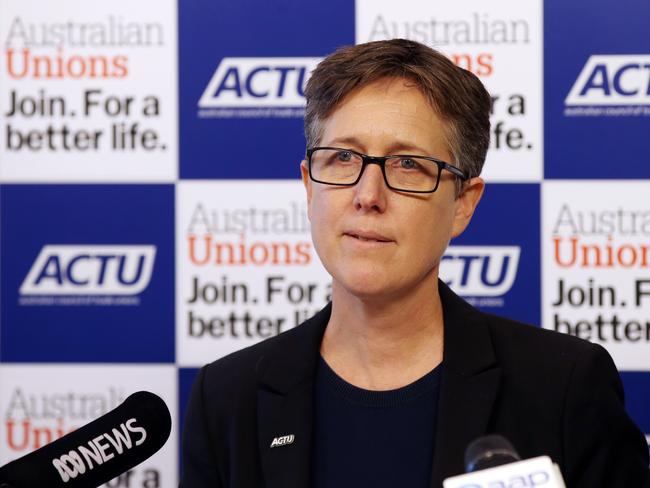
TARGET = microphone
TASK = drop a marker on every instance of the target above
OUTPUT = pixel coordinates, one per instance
(489, 451)
(97, 452)
(491, 461)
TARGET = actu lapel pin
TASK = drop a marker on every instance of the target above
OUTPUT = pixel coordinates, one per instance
(283, 440)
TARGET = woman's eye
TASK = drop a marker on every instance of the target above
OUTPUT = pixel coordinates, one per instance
(344, 156)
(407, 163)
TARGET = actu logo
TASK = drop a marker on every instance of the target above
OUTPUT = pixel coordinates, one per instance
(612, 79)
(90, 270)
(480, 271)
(258, 82)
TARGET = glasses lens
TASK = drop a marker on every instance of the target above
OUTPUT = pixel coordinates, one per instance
(336, 166)
(412, 174)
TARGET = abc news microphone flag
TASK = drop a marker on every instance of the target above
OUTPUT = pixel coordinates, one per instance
(152, 218)
(98, 452)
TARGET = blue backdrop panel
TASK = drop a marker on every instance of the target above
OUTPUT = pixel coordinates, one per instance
(594, 146)
(636, 398)
(185, 380)
(251, 147)
(497, 222)
(38, 215)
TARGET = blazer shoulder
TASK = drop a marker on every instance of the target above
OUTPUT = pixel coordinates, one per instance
(518, 346)
(242, 367)
(525, 343)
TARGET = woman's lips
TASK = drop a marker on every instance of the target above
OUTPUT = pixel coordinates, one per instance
(368, 236)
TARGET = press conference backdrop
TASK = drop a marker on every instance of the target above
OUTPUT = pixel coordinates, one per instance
(153, 219)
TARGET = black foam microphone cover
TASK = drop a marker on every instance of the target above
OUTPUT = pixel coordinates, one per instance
(97, 452)
(489, 451)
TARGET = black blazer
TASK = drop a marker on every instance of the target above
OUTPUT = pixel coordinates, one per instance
(546, 392)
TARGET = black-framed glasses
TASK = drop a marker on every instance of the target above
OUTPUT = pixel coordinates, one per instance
(402, 172)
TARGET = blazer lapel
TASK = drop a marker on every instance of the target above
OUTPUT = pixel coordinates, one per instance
(285, 405)
(468, 388)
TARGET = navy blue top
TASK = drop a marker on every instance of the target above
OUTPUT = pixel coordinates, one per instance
(373, 438)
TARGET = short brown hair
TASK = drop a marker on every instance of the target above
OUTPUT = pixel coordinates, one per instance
(456, 95)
